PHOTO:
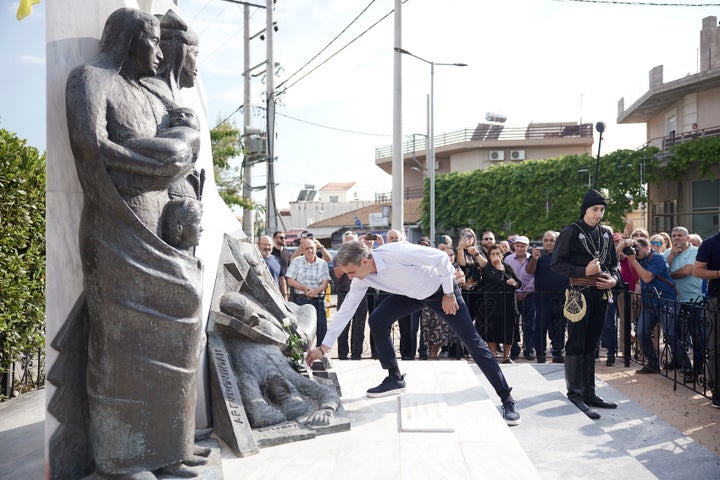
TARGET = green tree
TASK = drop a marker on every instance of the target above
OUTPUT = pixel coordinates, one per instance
(226, 144)
(22, 249)
(537, 195)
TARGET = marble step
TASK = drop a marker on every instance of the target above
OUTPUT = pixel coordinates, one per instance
(563, 443)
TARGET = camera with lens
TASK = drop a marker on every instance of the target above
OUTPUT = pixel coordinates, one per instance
(631, 250)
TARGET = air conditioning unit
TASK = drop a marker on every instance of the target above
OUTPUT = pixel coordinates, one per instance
(377, 220)
(517, 154)
(497, 155)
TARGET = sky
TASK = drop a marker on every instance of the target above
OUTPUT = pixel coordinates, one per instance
(531, 60)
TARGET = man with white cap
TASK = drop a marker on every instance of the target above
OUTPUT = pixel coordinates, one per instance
(525, 295)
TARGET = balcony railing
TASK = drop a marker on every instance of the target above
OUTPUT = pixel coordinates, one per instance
(673, 139)
(409, 193)
(488, 132)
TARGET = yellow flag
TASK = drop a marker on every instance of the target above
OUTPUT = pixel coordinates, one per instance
(25, 8)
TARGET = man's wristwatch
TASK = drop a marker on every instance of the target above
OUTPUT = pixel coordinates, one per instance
(448, 294)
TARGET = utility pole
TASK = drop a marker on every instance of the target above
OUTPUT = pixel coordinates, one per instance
(270, 207)
(247, 221)
(398, 214)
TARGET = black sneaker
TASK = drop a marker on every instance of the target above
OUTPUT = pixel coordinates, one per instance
(510, 415)
(389, 386)
(715, 400)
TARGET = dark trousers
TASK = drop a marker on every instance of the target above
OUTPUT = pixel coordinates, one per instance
(693, 326)
(397, 306)
(355, 330)
(319, 305)
(526, 307)
(550, 321)
(408, 326)
(609, 337)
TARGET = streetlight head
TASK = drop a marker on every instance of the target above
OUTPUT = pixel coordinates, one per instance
(460, 64)
(402, 50)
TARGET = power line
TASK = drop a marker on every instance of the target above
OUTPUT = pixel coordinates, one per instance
(333, 128)
(200, 11)
(644, 4)
(329, 43)
(205, 57)
(342, 48)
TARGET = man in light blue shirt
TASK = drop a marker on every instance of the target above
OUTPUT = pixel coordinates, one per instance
(681, 259)
(415, 277)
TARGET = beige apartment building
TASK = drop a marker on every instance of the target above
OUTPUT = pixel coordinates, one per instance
(680, 111)
(485, 145)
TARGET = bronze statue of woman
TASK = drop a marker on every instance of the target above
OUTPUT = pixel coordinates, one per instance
(143, 295)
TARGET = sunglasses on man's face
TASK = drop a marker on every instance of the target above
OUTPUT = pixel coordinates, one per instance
(281, 238)
(657, 244)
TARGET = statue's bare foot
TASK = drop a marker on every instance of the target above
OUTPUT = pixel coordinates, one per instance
(177, 470)
(202, 451)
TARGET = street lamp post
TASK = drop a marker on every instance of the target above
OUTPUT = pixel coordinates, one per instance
(431, 133)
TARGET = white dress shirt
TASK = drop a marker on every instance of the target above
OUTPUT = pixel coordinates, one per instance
(402, 268)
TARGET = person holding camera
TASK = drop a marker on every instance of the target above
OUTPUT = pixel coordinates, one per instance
(585, 252)
(322, 252)
(659, 296)
(471, 261)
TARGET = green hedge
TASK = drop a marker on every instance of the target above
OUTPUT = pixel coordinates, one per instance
(537, 195)
(22, 249)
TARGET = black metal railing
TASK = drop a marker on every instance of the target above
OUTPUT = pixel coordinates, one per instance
(677, 341)
(24, 375)
(681, 338)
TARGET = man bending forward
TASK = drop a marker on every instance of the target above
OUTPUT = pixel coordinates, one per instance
(415, 277)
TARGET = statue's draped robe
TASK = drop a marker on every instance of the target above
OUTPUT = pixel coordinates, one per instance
(143, 295)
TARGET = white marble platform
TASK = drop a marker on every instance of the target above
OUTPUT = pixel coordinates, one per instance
(481, 445)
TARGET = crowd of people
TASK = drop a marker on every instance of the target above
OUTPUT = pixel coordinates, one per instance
(559, 301)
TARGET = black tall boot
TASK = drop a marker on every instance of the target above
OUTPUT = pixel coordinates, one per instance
(574, 382)
(588, 389)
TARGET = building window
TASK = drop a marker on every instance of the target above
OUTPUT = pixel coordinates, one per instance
(670, 125)
(705, 206)
(333, 199)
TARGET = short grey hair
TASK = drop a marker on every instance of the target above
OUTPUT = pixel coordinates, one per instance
(349, 234)
(681, 229)
(352, 253)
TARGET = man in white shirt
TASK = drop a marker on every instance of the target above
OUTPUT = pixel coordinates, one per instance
(415, 277)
